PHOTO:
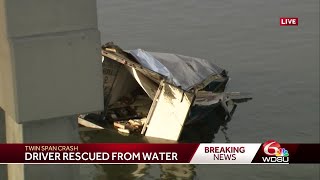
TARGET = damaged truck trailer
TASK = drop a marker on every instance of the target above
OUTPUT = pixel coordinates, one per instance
(156, 94)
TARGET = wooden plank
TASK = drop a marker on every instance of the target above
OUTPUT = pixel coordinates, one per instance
(89, 124)
(170, 113)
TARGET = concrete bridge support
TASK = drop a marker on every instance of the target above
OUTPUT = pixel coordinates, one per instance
(3, 168)
(50, 71)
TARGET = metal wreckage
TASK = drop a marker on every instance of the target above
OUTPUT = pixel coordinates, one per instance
(158, 94)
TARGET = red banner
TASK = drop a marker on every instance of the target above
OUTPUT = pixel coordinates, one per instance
(270, 152)
(97, 153)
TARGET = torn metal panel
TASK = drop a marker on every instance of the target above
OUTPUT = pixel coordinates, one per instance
(169, 114)
(207, 98)
(152, 107)
(162, 92)
(128, 62)
(179, 70)
(147, 85)
(188, 73)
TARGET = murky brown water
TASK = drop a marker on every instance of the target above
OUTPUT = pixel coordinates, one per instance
(278, 65)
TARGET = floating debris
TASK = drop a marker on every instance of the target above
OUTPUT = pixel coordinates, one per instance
(126, 131)
(156, 94)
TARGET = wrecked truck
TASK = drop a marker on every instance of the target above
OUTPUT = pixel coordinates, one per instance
(156, 94)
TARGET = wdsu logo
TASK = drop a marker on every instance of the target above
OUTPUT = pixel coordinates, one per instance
(274, 152)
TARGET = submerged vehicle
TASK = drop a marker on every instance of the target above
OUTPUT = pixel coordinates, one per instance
(157, 94)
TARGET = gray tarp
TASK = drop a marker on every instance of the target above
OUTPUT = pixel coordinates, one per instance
(182, 71)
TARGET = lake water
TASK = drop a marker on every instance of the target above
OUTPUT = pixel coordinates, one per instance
(278, 65)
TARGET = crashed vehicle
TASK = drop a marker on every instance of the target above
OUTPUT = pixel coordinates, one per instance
(156, 94)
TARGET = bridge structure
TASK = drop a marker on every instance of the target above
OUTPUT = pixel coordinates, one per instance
(50, 71)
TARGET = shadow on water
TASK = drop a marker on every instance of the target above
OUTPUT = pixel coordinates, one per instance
(202, 131)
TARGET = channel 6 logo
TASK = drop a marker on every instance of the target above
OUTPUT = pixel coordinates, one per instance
(274, 153)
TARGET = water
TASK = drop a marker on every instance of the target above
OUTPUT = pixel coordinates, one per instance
(278, 65)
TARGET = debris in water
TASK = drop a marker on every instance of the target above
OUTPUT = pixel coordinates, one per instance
(156, 94)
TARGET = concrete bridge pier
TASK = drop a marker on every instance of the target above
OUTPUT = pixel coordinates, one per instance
(50, 71)
(3, 167)
(54, 130)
